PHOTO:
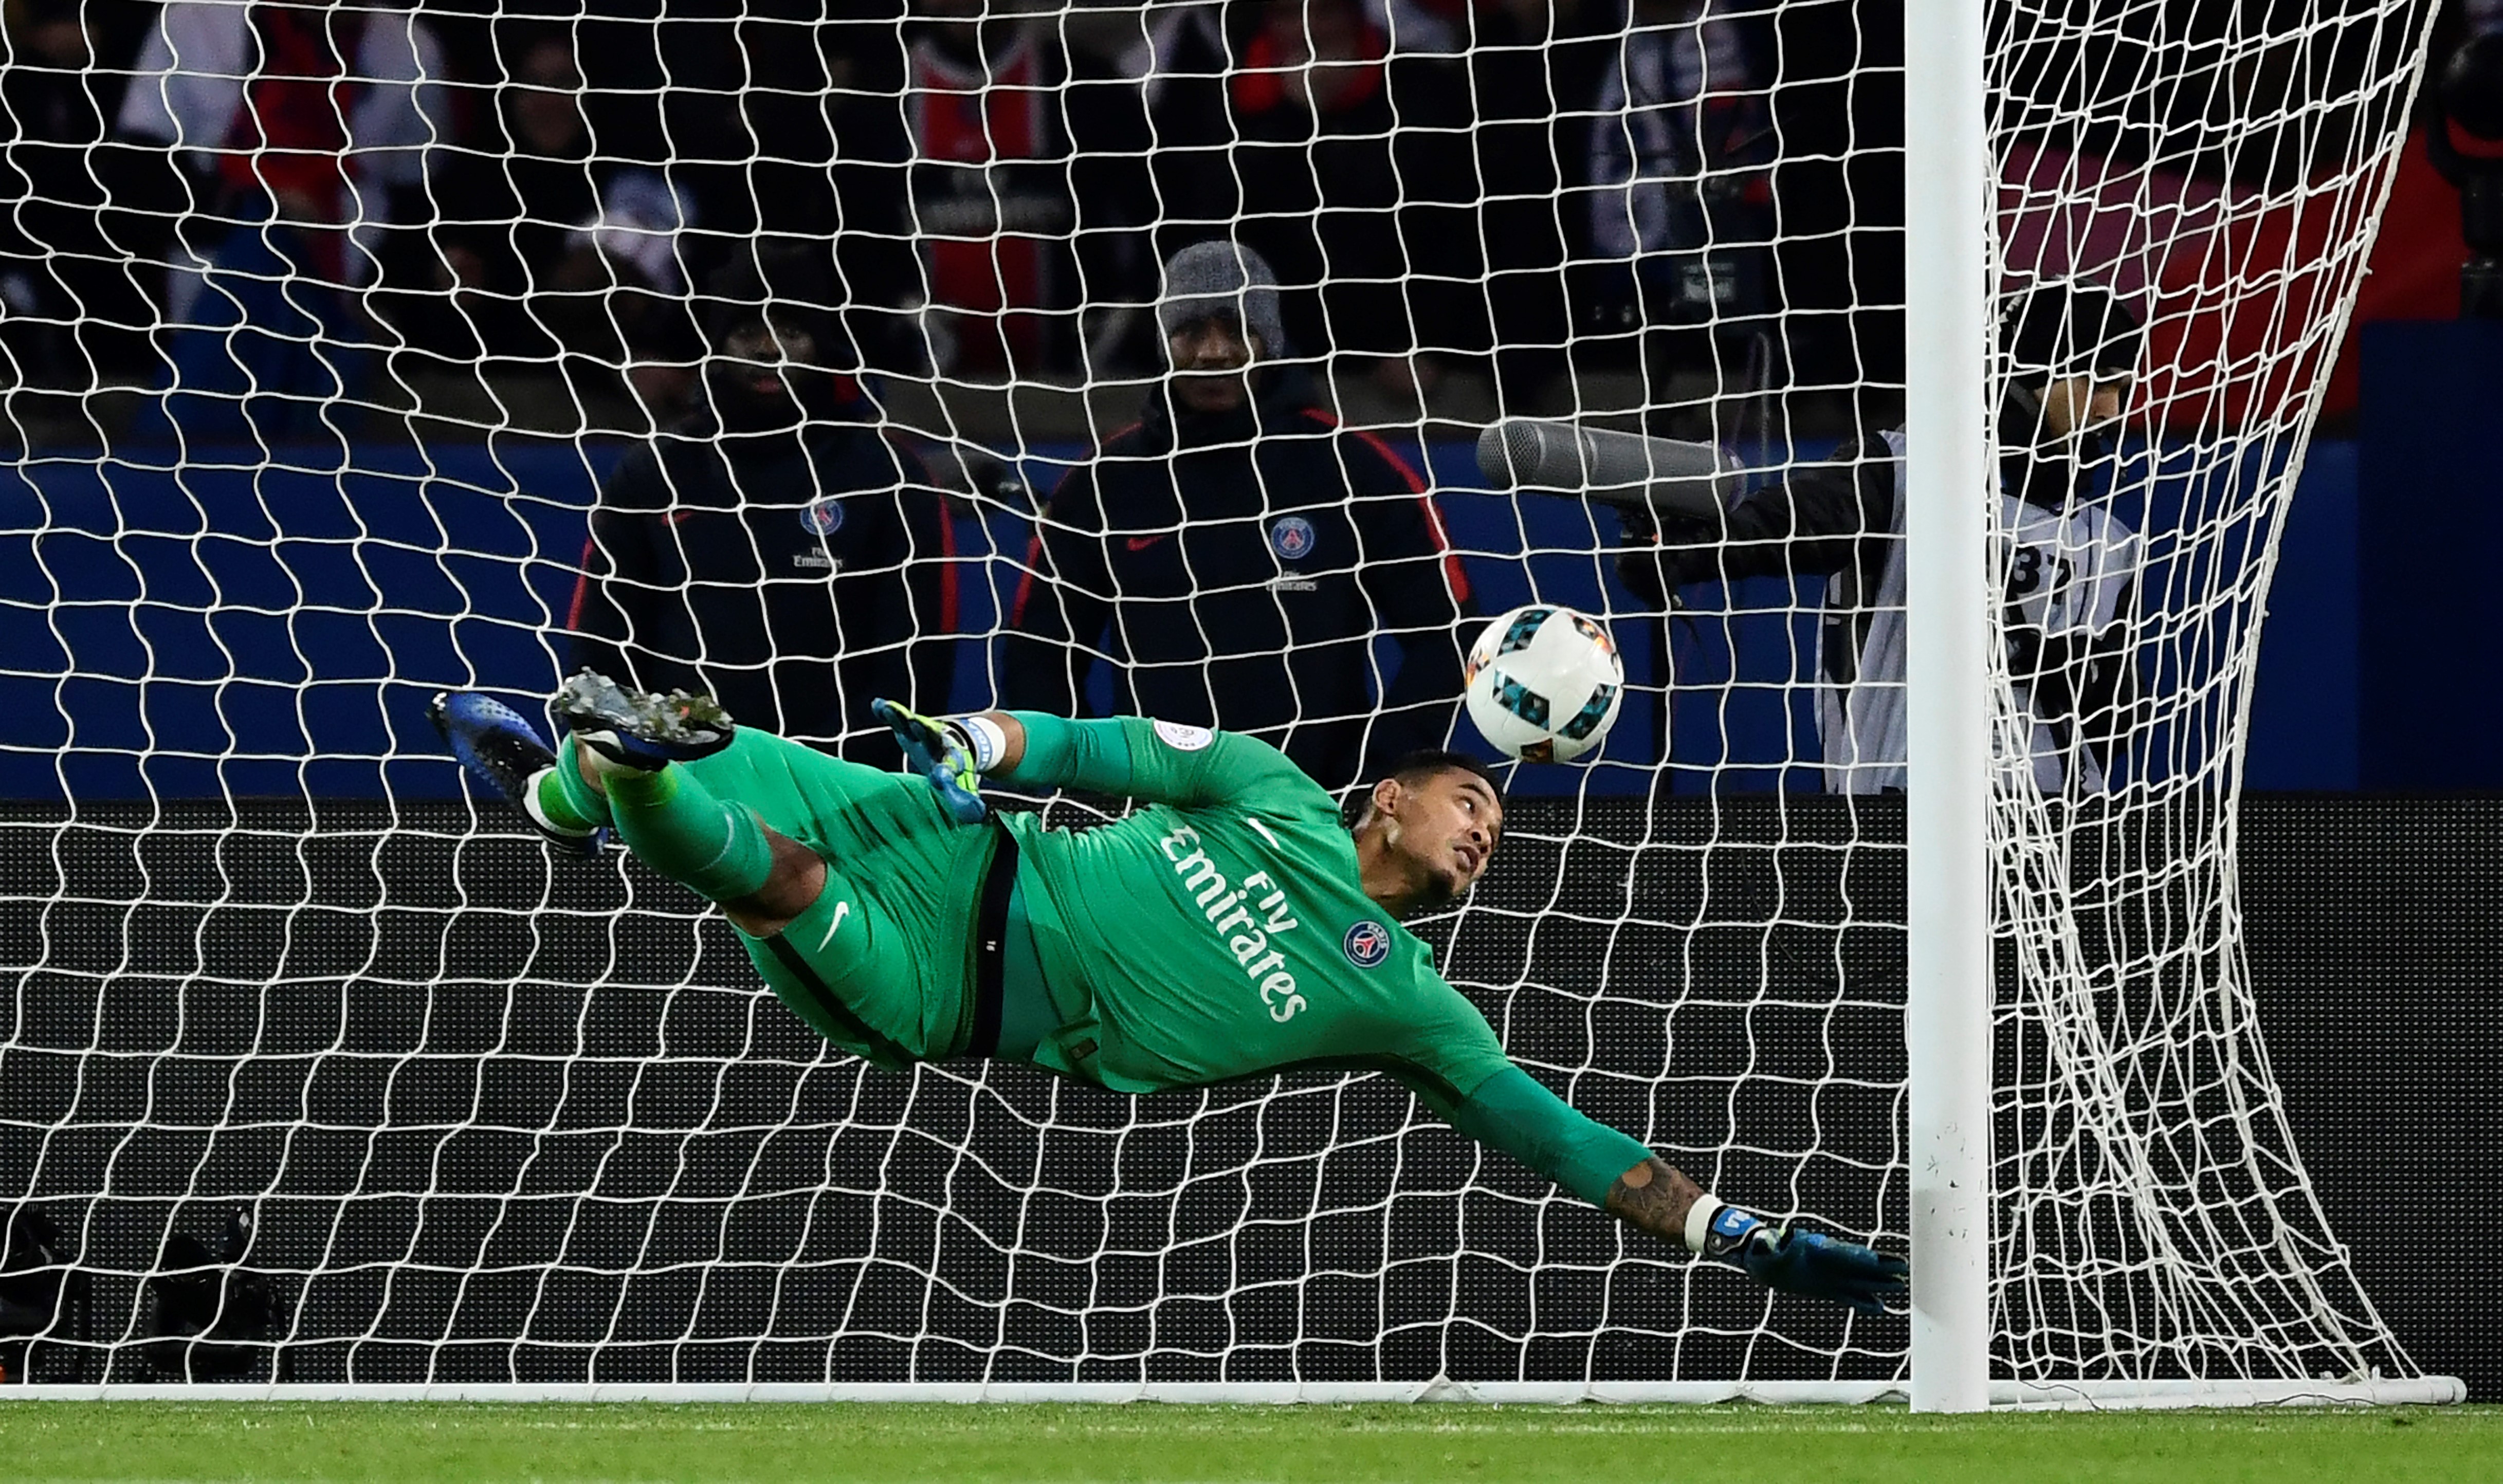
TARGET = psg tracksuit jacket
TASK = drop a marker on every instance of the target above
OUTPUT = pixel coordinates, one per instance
(791, 574)
(1236, 571)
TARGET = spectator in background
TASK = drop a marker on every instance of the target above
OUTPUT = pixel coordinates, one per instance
(1182, 60)
(1349, 165)
(1437, 26)
(1311, 101)
(1027, 191)
(1681, 147)
(794, 96)
(550, 252)
(2068, 561)
(72, 314)
(773, 549)
(308, 129)
(1535, 63)
(1237, 553)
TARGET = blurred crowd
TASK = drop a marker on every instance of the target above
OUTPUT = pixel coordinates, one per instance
(224, 199)
(740, 216)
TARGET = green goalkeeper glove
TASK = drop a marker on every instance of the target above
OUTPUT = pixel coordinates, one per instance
(941, 751)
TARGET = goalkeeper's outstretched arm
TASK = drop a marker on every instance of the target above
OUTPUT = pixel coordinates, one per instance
(1514, 1113)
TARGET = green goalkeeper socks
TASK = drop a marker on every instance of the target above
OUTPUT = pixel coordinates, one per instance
(667, 818)
(562, 800)
(679, 829)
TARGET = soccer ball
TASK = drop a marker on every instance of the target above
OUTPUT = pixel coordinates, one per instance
(1544, 683)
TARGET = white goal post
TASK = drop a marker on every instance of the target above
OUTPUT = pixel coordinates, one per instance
(324, 1079)
(1949, 481)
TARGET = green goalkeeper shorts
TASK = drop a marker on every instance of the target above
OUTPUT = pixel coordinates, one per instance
(881, 963)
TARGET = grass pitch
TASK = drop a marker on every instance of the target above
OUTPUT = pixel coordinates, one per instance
(1427, 1443)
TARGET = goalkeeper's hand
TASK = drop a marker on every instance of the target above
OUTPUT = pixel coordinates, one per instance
(942, 752)
(1808, 1262)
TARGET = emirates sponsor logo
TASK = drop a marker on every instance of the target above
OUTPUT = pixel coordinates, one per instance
(1249, 916)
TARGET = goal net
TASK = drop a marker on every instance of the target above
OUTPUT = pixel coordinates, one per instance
(327, 328)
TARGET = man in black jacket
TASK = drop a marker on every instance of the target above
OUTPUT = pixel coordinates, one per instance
(2068, 564)
(773, 550)
(1236, 553)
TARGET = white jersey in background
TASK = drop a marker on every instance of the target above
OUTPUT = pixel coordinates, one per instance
(2063, 572)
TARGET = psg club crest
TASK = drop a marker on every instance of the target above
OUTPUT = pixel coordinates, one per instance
(823, 517)
(1366, 943)
(1292, 538)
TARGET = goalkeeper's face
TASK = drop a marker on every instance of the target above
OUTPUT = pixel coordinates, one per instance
(1443, 826)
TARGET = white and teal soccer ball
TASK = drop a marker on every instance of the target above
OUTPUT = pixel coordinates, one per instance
(1544, 683)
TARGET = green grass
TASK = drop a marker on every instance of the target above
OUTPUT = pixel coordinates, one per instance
(1660, 1445)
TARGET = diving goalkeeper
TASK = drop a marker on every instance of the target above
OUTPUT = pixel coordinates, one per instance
(1234, 927)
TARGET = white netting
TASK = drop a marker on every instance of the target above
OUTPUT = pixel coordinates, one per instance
(328, 327)
(2154, 1211)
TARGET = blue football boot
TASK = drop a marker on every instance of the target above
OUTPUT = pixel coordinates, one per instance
(502, 750)
(637, 729)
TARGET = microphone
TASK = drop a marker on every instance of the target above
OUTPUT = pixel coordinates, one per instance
(1666, 475)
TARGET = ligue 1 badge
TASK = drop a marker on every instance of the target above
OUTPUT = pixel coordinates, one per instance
(823, 516)
(1292, 538)
(1366, 943)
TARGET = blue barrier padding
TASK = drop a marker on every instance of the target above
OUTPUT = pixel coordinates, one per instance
(2430, 517)
(226, 629)
(2305, 725)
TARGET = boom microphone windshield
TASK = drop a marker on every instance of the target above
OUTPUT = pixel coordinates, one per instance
(1615, 468)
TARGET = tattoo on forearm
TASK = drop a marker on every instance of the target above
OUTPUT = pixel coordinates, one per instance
(1654, 1197)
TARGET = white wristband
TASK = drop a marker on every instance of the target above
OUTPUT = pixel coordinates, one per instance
(990, 741)
(1698, 1221)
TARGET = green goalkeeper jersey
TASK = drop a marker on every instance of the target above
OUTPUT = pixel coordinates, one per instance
(1222, 930)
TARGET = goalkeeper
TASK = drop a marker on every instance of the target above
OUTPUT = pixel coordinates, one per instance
(1234, 927)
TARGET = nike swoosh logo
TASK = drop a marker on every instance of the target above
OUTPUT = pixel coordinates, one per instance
(1142, 542)
(843, 910)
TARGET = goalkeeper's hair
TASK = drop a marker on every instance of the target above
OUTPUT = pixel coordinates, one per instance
(1417, 767)
(1426, 762)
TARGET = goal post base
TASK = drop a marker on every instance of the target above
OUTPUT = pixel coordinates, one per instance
(2085, 1395)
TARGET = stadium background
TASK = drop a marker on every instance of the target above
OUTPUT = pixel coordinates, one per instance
(2370, 849)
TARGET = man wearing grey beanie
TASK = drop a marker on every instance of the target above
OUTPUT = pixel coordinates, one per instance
(1217, 285)
(1234, 554)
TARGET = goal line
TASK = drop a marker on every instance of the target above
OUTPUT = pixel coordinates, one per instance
(2085, 1395)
